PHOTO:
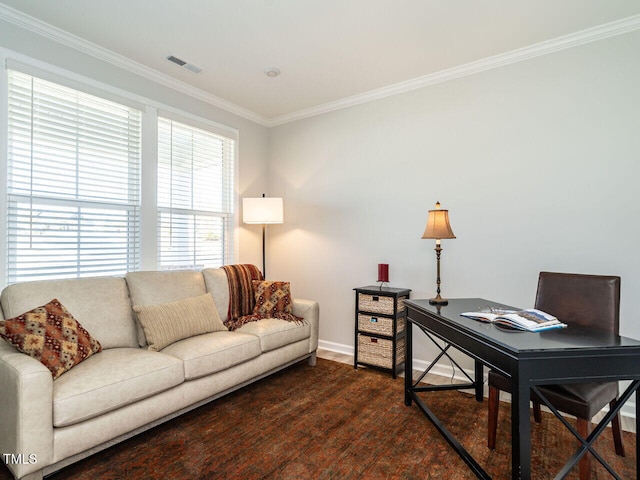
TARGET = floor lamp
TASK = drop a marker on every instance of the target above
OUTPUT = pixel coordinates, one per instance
(262, 210)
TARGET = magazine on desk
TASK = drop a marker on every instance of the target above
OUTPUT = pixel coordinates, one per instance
(530, 320)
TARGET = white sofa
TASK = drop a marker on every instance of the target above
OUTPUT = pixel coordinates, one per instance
(125, 389)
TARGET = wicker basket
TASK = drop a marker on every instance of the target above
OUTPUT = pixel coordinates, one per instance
(378, 325)
(379, 304)
(379, 351)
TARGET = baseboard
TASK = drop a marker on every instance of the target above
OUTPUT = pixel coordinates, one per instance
(336, 347)
(447, 371)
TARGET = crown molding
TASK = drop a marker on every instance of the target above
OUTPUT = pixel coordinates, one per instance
(65, 38)
(593, 34)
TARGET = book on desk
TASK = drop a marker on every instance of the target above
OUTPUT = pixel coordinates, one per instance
(530, 320)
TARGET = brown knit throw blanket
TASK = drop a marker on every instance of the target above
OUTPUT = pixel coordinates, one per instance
(241, 296)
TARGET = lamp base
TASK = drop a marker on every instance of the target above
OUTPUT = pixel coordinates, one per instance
(438, 300)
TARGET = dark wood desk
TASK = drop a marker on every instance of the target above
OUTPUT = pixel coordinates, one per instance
(570, 355)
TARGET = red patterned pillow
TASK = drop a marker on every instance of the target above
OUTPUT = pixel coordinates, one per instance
(273, 300)
(51, 335)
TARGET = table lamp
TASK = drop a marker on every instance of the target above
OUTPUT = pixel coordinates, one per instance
(262, 210)
(438, 227)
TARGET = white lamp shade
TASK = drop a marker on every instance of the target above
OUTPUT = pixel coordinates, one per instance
(262, 210)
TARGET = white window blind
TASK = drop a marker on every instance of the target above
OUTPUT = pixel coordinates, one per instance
(73, 182)
(195, 197)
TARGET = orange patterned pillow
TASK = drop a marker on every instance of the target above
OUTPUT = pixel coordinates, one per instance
(51, 335)
(273, 300)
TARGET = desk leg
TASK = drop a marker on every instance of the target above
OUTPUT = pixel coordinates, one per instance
(520, 430)
(479, 380)
(637, 433)
(408, 363)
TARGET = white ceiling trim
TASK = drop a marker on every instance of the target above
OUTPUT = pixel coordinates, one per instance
(593, 34)
(567, 41)
(58, 35)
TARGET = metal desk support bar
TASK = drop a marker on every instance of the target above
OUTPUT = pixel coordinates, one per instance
(414, 389)
(587, 443)
(443, 352)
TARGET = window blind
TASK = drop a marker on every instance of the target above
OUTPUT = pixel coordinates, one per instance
(195, 196)
(73, 182)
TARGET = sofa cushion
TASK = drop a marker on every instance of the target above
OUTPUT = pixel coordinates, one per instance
(166, 323)
(100, 304)
(217, 285)
(150, 288)
(50, 334)
(213, 352)
(275, 333)
(111, 379)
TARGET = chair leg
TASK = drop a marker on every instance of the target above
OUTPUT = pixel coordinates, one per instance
(584, 466)
(617, 432)
(537, 412)
(494, 403)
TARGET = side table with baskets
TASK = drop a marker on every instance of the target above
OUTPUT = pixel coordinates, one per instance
(380, 327)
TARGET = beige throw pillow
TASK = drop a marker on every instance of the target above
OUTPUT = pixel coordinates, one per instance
(167, 323)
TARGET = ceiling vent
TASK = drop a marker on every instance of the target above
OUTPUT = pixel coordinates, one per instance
(181, 63)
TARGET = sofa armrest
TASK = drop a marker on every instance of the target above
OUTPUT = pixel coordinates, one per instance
(26, 413)
(310, 311)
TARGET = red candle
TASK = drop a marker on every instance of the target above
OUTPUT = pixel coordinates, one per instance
(383, 272)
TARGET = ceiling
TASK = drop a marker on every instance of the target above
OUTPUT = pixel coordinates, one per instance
(329, 52)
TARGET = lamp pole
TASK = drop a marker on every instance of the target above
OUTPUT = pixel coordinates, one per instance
(438, 300)
(264, 257)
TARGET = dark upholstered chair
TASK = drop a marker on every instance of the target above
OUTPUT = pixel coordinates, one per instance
(591, 301)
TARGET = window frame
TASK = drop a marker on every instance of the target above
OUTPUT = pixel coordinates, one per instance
(53, 172)
(228, 218)
(148, 183)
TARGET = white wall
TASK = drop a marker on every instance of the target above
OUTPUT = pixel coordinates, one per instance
(253, 138)
(537, 162)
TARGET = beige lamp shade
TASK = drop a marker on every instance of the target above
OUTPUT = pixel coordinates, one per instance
(438, 224)
(262, 210)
